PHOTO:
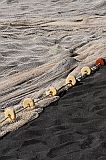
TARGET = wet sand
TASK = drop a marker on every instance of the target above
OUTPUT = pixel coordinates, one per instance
(41, 43)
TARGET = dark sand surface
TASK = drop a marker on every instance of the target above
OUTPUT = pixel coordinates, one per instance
(73, 129)
(42, 42)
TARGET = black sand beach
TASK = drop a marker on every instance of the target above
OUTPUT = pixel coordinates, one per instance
(42, 42)
(73, 129)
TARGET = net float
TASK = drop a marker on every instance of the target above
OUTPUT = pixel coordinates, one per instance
(52, 91)
(100, 61)
(28, 103)
(86, 71)
(71, 80)
(10, 114)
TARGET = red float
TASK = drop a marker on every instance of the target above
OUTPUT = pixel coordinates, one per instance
(100, 61)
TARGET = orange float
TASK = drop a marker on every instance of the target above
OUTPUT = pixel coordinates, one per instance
(100, 61)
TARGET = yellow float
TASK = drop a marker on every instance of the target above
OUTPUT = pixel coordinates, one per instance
(71, 81)
(28, 103)
(52, 91)
(86, 71)
(10, 114)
